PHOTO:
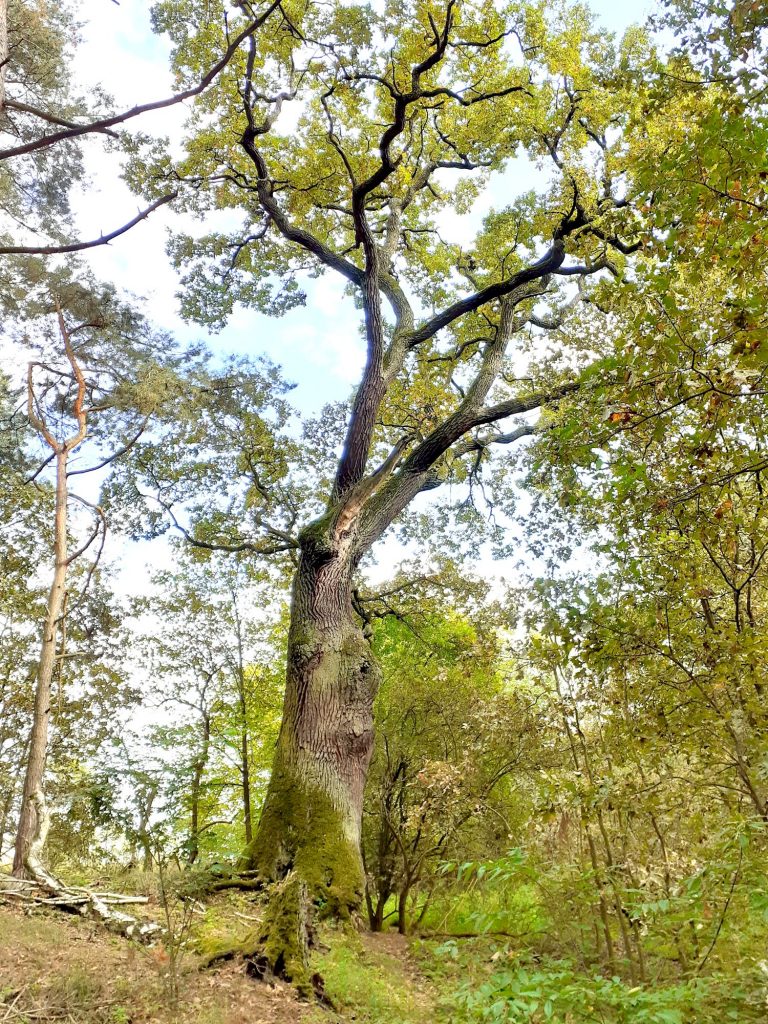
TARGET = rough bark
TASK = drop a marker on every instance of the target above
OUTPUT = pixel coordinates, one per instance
(312, 815)
(3, 52)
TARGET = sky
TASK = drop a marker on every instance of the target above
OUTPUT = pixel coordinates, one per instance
(318, 346)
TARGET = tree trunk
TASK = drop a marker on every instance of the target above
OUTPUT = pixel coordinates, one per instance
(402, 909)
(38, 742)
(245, 760)
(245, 769)
(146, 864)
(200, 764)
(5, 815)
(3, 53)
(376, 914)
(145, 799)
(312, 816)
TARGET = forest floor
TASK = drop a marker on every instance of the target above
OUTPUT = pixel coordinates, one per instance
(67, 970)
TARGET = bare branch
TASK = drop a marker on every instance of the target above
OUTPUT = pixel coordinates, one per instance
(52, 250)
(115, 455)
(101, 524)
(45, 115)
(144, 108)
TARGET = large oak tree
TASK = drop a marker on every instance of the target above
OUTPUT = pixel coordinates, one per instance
(404, 113)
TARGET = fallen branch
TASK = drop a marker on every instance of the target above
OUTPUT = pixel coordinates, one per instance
(72, 899)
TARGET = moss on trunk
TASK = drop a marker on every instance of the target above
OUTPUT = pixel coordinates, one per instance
(303, 831)
(311, 821)
(286, 933)
(280, 945)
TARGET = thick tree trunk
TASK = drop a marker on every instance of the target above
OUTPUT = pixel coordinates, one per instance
(312, 814)
(38, 743)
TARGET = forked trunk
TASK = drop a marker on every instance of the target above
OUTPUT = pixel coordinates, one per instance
(312, 814)
(32, 795)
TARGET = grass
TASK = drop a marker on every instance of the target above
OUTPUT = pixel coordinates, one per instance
(372, 981)
(56, 969)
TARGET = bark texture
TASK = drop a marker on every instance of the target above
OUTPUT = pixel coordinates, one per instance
(56, 608)
(312, 815)
(3, 52)
(38, 743)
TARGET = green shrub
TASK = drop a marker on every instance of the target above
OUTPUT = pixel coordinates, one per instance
(557, 994)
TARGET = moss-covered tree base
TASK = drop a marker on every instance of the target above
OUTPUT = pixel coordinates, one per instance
(280, 946)
(306, 856)
(286, 932)
(302, 831)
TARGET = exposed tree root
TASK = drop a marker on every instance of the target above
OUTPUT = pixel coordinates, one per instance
(280, 946)
(45, 889)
